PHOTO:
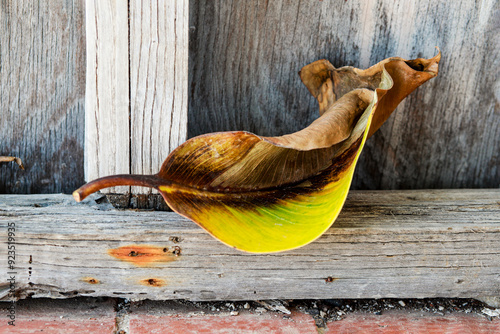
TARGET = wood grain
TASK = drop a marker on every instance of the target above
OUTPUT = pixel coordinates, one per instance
(136, 87)
(107, 124)
(244, 58)
(245, 55)
(158, 82)
(42, 87)
(401, 244)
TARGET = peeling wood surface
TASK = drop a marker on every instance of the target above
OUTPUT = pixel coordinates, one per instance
(418, 243)
(42, 87)
(136, 103)
(245, 55)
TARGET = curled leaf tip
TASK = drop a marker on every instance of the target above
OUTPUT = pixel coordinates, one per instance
(271, 194)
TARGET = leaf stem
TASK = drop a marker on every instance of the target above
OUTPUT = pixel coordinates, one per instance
(151, 181)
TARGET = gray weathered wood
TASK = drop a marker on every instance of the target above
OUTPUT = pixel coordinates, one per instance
(136, 109)
(403, 244)
(107, 106)
(245, 56)
(158, 82)
(42, 86)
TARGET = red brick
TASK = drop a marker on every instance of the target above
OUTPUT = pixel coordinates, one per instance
(414, 322)
(244, 323)
(59, 326)
(59, 317)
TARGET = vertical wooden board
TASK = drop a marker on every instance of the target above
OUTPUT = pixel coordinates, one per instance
(107, 134)
(42, 87)
(245, 55)
(447, 134)
(158, 82)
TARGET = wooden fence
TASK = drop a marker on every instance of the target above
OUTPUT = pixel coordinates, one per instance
(243, 63)
(99, 87)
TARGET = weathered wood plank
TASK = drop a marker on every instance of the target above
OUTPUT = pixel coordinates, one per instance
(244, 58)
(401, 244)
(136, 87)
(158, 82)
(42, 87)
(107, 124)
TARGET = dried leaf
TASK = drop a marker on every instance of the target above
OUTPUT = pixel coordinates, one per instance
(270, 194)
(10, 159)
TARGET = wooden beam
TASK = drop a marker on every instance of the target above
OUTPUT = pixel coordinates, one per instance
(136, 99)
(107, 131)
(415, 243)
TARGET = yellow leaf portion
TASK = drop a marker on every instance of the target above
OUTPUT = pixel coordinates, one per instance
(286, 225)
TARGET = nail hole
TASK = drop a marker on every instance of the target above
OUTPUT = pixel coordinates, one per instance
(133, 253)
(177, 251)
(157, 282)
(175, 239)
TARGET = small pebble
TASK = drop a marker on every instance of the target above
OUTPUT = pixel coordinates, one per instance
(402, 303)
(246, 306)
(234, 313)
(441, 308)
(491, 313)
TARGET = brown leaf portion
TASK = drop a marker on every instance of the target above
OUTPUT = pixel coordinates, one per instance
(335, 124)
(327, 84)
(317, 77)
(407, 75)
(10, 159)
(241, 161)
